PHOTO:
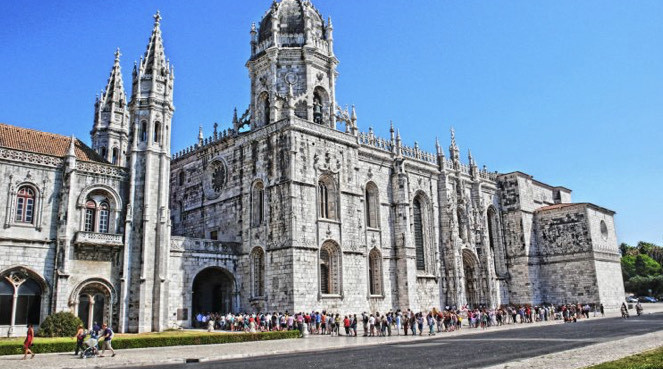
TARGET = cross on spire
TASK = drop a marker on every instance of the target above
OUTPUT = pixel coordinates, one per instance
(157, 18)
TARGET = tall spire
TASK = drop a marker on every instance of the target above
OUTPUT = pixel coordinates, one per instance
(110, 133)
(114, 91)
(154, 59)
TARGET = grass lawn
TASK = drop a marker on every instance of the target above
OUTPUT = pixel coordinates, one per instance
(161, 339)
(652, 359)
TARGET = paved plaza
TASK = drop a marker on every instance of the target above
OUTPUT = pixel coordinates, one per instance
(542, 345)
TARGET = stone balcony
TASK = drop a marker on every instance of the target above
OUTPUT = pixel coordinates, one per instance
(99, 239)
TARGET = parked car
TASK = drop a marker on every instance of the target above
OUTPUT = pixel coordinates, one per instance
(647, 299)
(631, 299)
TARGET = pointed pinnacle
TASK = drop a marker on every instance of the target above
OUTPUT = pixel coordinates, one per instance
(117, 55)
(157, 18)
(391, 124)
(72, 146)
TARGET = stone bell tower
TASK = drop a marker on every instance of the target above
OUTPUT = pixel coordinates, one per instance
(144, 291)
(292, 52)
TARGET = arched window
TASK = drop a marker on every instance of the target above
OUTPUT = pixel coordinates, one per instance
(317, 108)
(264, 108)
(419, 234)
(90, 216)
(330, 269)
(372, 206)
(143, 131)
(375, 272)
(104, 214)
(97, 213)
(102, 152)
(182, 177)
(327, 198)
(27, 293)
(115, 156)
(257, 204)
(258, 272)
(25, 205)
(157, 132)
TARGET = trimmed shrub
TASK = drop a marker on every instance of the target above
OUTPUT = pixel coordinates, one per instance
(62, 324)
(48, 345)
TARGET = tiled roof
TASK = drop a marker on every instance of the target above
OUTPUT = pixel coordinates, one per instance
(567, 205)
(558, 206)
(39, 142)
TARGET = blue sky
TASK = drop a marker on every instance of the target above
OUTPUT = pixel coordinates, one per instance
(569, 92)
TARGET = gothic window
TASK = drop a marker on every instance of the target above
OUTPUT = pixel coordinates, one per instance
(218, 176)
(115, 156)
(90, 215)
(143, 131)
(103, 217)
(27, 293)
(157, 132)
(320, 106)
(317, 108)
(327, 198)
(102, 152)
(96, 217)
(25, 205)
(330, 269)
(264, 107)
(258, 272)
(375, 272)
(181, 179)
(372, 206)
(419, 234)
(257, 204)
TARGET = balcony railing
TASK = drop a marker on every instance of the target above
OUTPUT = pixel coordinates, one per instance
(99, 239)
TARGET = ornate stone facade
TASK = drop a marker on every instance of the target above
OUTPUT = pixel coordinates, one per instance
(281, 211)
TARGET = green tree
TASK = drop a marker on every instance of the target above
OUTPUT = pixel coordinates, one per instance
(628, 267)
(646, 266)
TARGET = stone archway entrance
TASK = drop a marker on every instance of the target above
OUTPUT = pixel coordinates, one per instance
(93, 303)
(471, 272)
(213, 290)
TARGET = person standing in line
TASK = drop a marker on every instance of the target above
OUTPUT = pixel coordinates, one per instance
(398, 322)
(27, 344)
(353, 324)
(108, 336)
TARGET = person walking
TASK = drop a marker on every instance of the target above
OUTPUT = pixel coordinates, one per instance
(80, 336)
(108, 336)
(27, 344)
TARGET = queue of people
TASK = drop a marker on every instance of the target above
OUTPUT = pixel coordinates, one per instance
(399, 322)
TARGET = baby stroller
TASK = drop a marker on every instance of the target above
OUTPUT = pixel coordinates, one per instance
(91, 348)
